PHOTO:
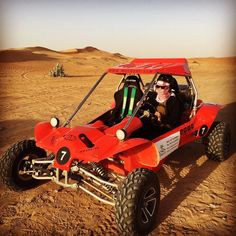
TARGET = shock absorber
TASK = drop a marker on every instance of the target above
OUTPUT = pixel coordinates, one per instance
(99, 169)
(110, 189)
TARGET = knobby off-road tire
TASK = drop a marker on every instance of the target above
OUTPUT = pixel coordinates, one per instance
(12, 162)
(217, 142)
(137, 203)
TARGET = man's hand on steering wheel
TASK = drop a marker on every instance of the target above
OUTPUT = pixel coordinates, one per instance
(158, 115)
(148, 112)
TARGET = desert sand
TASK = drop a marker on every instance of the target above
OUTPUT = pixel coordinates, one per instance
(197, 195)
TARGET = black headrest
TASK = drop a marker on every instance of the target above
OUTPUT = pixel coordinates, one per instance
(132, 80)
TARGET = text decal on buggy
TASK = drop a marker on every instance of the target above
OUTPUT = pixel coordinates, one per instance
(168, 145)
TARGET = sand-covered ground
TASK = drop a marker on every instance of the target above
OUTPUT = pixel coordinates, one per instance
(197, 195)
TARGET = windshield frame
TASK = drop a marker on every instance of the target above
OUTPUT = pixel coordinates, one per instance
(149, 87)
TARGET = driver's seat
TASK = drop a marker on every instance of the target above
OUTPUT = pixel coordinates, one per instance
(126, 98)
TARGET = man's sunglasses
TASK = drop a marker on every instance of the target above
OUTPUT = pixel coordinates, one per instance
(162, 87)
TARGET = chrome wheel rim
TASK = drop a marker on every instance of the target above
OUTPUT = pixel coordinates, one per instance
(149, 205)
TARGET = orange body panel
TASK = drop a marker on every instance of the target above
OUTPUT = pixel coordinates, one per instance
(99, 142)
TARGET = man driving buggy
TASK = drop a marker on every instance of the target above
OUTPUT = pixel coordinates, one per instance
(167, 107)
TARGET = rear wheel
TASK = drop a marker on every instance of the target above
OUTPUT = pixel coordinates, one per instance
(217, 142)
(15, 161)
(137, 203)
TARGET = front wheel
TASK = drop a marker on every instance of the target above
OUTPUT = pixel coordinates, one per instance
(217, 142)
(137, 202)
(15, 161)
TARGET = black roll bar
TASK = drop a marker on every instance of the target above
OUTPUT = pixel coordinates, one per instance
(84, 100)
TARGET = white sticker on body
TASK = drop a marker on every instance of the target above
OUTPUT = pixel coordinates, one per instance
(167, 145)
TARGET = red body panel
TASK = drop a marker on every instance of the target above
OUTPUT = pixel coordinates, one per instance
(46, 136)
(133, 153)
(173, 66)
(105, 143)
(191, 130)
(136, 124)
(143, 155)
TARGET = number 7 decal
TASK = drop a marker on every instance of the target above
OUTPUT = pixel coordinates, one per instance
(63, 155)
(203, 130)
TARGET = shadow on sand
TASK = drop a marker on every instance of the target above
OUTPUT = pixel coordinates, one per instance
(15, 131)
(187, 156)
(12, 131)
(22, 56)
(81, 76)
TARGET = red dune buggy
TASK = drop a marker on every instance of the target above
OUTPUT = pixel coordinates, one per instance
(105, 159)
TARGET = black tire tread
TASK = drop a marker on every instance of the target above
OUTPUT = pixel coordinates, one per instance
(215, 147)
(126, 199)
(8, 159)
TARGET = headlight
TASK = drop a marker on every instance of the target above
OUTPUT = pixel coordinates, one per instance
(54, 122)
(121, 134)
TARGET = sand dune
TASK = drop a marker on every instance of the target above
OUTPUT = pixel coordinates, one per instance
(198, 195)
(82, 50)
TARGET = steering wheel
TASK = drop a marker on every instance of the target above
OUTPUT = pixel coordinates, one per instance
(147, 112)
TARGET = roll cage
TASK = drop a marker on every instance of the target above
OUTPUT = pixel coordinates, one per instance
(156, 66)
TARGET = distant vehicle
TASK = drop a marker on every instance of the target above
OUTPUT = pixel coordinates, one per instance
(105, 160)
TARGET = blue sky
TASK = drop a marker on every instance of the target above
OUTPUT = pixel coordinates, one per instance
(137, 28)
